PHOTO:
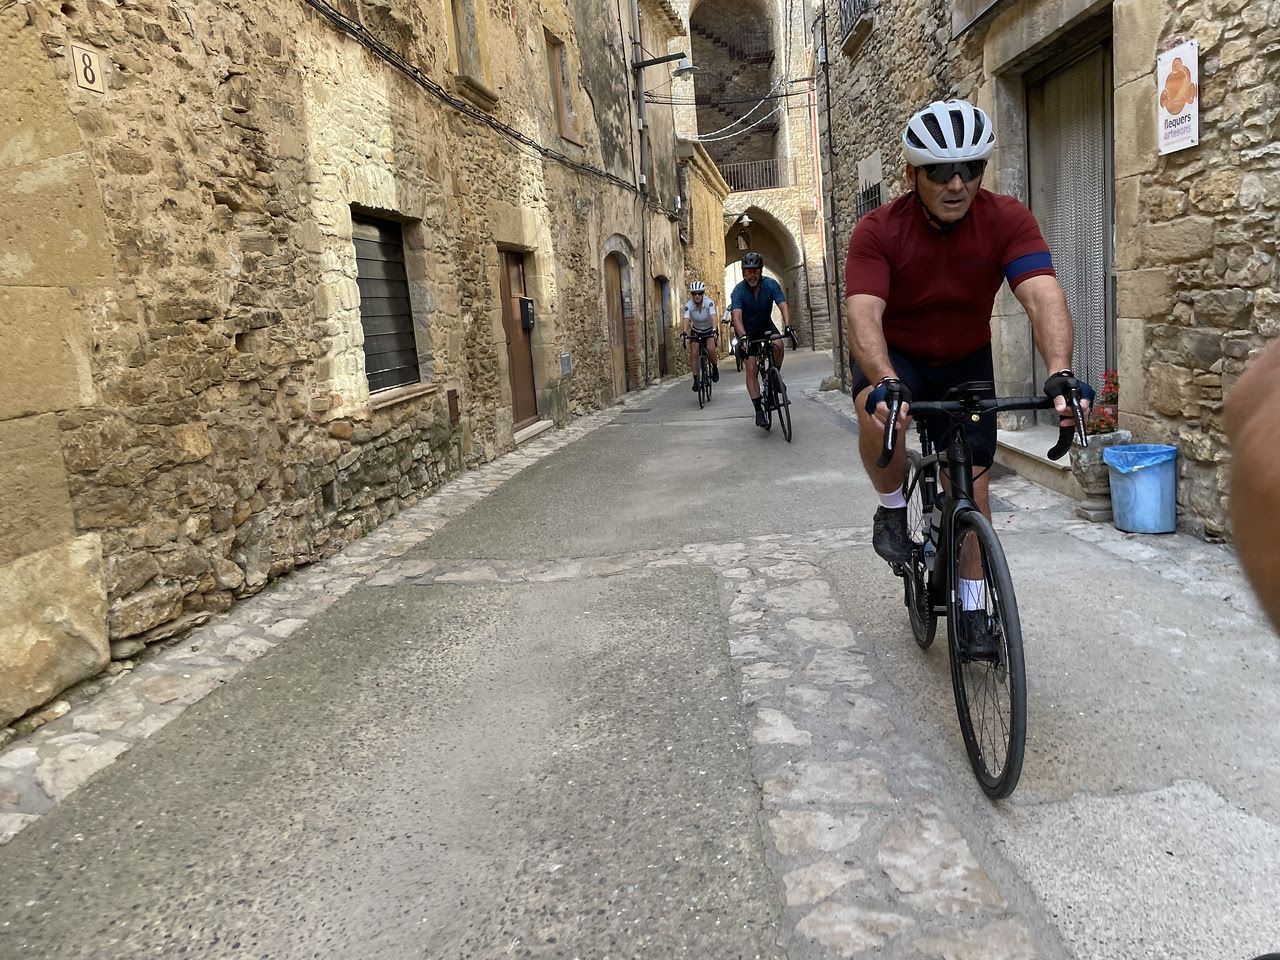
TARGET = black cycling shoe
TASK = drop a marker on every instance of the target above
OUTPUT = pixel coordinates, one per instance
(695, 384)
(760, 420)
(977, 640)
(715, 374)
(889, 536)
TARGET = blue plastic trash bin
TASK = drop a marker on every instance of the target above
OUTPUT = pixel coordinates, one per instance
(1144, 486)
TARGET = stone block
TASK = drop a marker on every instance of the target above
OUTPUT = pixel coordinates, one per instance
(43, 350)
(35, 503)
(1144, 293)
(35, 123)
(145, 609)
(52, 623)
(53, 232)
(1170, 390)
(1128, 212)
(1176, 241)
(1140, 22)
(1135, 127)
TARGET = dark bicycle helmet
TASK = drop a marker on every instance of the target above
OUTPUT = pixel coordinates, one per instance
(752, 261)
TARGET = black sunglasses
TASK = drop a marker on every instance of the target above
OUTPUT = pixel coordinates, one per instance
(943, 172)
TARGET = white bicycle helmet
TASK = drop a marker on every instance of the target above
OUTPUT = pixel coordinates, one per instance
(697, 287)
(948, 131)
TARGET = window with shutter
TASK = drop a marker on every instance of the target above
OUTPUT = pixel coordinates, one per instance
(390, 350)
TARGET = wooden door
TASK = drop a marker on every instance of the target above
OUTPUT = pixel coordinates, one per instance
(524, 400)
(617, 334)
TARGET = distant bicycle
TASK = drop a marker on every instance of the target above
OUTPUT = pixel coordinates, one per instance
(704, 367)
(958, 569)
(773, 391)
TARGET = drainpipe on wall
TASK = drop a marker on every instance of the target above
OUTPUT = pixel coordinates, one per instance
(835, 247)
(637, 54)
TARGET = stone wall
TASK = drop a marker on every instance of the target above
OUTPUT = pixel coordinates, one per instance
(1197, 278)
(190, 415)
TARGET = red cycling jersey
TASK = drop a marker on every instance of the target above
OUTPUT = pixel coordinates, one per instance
(939, 288)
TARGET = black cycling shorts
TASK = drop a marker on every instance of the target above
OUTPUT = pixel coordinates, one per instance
(932, 383)
(703, 335)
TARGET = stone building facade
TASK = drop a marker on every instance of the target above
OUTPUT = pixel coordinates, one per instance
(1169, 261)
(266, 275)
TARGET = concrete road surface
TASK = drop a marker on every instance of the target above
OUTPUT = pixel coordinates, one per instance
(642, 690)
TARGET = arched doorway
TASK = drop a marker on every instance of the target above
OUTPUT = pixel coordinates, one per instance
(615, 269)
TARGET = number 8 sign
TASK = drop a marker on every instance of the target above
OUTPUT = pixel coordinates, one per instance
(88, 68)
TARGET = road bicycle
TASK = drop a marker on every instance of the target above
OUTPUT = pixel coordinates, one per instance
(773, 391)
(958, 569)
(704, 367)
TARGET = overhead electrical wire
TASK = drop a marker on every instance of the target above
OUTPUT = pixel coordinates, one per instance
(358, 32)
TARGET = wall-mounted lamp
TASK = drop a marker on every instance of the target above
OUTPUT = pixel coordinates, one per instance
(683, 69)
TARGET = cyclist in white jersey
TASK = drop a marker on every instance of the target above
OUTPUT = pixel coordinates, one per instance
(700, 326)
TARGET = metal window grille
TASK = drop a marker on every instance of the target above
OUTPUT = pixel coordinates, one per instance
(869, 198)
(390, 350)
(851, 11)
(754, 175)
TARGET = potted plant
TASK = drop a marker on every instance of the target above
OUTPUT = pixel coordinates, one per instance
(1086, 462)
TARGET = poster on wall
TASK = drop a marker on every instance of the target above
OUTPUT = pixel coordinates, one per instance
(1178, 76)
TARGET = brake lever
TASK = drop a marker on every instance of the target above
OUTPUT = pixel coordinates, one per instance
(1074, 432)
(891, 428)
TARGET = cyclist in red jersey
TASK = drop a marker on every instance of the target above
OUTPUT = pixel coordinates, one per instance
(921, 278)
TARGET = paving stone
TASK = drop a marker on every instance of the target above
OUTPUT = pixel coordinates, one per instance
(839, 782)
(797, 830)
(790, 570)
(765, 670)
(110, 711)
(246, 648)
(74, 763)
(839, 666)
(1002, 940)
(773, 726)
(750, 647)
(11, 824)
(830, 633)
(930, 863)
(849, 930)
(810, 598)
(817, 881)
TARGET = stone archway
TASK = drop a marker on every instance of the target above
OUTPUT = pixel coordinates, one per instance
(786, 261)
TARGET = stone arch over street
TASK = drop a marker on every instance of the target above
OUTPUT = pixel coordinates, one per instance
(777, 241)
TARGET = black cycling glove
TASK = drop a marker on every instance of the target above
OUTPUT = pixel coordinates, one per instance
(1058, 384)
(881, 394)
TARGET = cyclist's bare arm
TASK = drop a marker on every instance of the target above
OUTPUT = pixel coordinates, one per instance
(865, 315)
(1253, 422)
(1046, 305)
(786, 314)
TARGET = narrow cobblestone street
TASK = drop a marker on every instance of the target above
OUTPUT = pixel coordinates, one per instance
(641, 689)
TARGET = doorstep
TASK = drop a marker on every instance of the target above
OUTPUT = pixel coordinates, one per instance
(1023, 451)
(533, 430)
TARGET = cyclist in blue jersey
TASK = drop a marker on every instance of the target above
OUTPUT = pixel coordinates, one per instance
(751, 309)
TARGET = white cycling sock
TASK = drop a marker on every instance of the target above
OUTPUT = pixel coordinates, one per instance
(893, 501)
(973, 594)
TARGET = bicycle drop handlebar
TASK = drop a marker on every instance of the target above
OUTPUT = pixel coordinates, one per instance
(981, 406)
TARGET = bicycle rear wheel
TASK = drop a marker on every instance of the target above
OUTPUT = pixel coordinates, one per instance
(991, 694)
(782, 403)
(915, 574)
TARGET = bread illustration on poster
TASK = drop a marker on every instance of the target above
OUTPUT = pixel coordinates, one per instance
(1179, 91)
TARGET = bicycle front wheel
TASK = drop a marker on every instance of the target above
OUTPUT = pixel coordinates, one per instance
(766, 396)
(704, 366)
(782, 403)
(915, 573)
(987, 671)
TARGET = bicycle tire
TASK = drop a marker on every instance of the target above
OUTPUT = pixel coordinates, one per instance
(994, 694)
(915, 574)
(783, 404)
(704, 367)
(766, 393)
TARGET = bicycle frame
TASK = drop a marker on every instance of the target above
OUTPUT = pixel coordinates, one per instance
(957, 461)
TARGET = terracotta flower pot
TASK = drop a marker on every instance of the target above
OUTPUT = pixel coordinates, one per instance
(1091, 473)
